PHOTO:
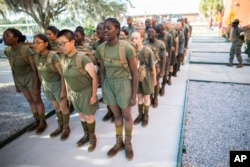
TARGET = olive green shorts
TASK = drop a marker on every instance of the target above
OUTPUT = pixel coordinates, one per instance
(117, 92)
(173, 59)
(146, 86)
(52, 90)
(81, 101)
(25, 82)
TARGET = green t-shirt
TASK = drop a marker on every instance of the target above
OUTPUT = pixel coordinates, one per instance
(236, 36)
(146, 60)
(174, 35)
(75, 79)
(54, 45)
(21, 64)
(130, 31)
(167, 39)
(45, 72)
(96, 44)
(115, 70)
(159, 46)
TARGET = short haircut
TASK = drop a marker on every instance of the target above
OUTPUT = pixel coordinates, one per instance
(125, 32)
(81, 32)
(67, 33)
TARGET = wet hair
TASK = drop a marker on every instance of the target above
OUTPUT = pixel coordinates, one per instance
(79, 28)
(67, 33)
(115, 22)
(53, 29)
(44, 38)
(125, 31)
(101, 23)
(154, 29)
(17, 33)
(81, 32)
(159, 27)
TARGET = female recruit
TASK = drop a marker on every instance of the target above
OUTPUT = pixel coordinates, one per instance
(50, 73)
(51, 33)
(146, 86)
(81, 83)
(120, 82)
(25, 75)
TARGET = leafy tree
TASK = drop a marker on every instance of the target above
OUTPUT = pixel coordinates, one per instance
(46, 11)
(211, 8)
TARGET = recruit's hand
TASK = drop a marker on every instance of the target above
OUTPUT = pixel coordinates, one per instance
(132, 102)
(93, 99)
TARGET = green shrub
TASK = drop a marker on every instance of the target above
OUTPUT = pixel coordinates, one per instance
(247, 50)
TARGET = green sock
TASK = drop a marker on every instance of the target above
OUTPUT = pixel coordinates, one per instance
(118, 130)
(91, 127)
(128, 132)
(140, 108)
(146, 109)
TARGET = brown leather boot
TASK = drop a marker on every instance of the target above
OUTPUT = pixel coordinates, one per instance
(42, 124)
(169, 81)
(128, 148)
(156, 92)
(92, 142)
(162, 89)
(117, 147)
(155, 105)
(66, 129)
(35, 124)
(240, 65)
(152, 99)
(60, 125)
(108, 115)
(85, 138)
(138, 119)
(230, 64)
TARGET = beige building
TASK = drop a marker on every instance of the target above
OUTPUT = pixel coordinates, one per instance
(236, 9)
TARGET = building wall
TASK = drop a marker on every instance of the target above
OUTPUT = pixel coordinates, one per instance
(241, 9)
(192, 17)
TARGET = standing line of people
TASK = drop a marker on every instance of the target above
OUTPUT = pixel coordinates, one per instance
(62, 63)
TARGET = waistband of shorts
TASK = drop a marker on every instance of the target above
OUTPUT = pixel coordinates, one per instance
(24, 74)
(118, 79)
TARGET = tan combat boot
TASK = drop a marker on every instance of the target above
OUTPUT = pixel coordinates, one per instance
(145, 116)
(128, 148)
(85, 138)
(60, 125)
(42, 124)
(108, 115)
(138, 119)
(117, 147)
(92, 142)
(35, 124)
(66, 129)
